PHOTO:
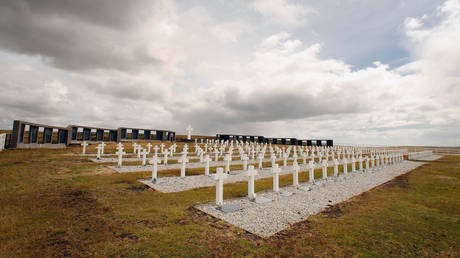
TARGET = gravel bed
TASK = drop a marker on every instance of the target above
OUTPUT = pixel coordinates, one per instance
(140, 168)
(269, 218)
(178, 184)
(429, 158)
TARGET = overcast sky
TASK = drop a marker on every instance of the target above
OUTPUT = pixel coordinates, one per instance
(356, 71)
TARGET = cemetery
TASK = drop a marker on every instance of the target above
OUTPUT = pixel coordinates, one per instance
(234, 189)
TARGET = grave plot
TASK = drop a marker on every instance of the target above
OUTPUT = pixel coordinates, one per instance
(268, 212)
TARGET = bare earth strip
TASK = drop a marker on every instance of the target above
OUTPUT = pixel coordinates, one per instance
(269, 218)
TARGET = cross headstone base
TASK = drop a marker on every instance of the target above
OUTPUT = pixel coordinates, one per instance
(262, 200)
(229, 208)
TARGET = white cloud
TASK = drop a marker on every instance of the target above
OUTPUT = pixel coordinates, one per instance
(283, 12)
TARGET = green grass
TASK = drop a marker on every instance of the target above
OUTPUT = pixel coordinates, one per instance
(56, 204)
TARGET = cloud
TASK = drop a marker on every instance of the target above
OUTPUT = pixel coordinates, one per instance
(283, 12)
(81, 35)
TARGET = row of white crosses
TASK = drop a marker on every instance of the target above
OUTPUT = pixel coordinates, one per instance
(220, 176)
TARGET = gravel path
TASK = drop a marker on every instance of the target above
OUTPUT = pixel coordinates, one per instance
(269, 218)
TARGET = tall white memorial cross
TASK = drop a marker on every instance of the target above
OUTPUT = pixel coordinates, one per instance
(276, 178)
(252, 173)
(245, 159)
(189, 132)
(84, 144)
(162, 146)
(183, 161)
(324, 165)
(295, 176)
(360, 159)
(154, 161)
(227, 160)
(219, 177)
(207, 159)
(311, 170)
(120, 154)
(99, 149)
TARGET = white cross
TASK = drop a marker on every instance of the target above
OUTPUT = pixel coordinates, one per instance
(154, 161)
(295, 179)
(345, 165)
(162, 146)
(144, 156)
(84, 144)
(311, 175)
(120, 154)
(183, 161)
(273, 160)
(324, 163)
(276, 178)
(336, 167)
(165, 157)
(252, 173)
(99, 149)
(149, 146)
(245, 159)
(135, 148)
(207, 159)
(219, 177)
(367, 163)
(227, 160)
(260, 157)
(103, 146)
(353, 164)
(189, 130)
(216, 154)
(156, 150)
(139, 149)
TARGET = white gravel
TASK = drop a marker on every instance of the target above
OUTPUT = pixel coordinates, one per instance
(178, 184)
(267, 219)
(429, 158)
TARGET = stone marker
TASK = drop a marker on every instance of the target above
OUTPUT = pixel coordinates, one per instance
(219, 177)
(252, 173)
(276, 178)
(149, 147)
(103, 146)
(345, 165)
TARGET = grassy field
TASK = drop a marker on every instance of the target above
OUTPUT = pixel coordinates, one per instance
(54, 203)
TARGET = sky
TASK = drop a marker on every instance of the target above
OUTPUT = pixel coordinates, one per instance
(355, 71)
